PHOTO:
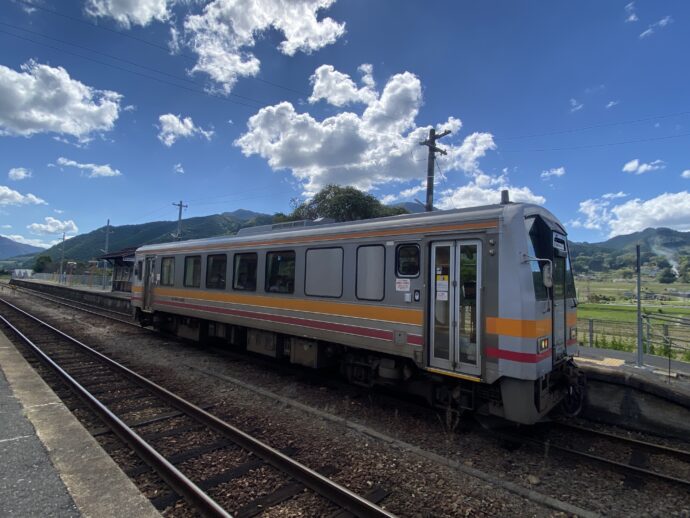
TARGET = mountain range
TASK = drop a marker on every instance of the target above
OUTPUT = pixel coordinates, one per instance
(10, 248)
(610, 254)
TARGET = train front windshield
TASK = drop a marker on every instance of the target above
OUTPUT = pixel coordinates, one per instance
(549, 245)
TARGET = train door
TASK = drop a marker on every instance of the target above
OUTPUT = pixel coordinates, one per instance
(455, 302)
(559, 291)
(149, 282)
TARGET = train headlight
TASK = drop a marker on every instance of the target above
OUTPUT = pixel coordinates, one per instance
(573, 333)
(543, 344)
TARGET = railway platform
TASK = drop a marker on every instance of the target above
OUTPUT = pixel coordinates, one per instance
(655, 398)
(51, 466)
(113, 300)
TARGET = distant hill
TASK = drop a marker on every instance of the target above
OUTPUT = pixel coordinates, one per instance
(10, 248)
(656, 246)
(85, 247)
(411, 206)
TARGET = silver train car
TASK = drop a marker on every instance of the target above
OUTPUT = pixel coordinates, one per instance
(474, 309)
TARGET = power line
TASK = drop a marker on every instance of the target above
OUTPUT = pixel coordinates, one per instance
(152, 44)
(111, 56)
(592, 146)
(110, 65)
(597, 126)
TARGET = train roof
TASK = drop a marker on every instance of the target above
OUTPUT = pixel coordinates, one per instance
(468, 214)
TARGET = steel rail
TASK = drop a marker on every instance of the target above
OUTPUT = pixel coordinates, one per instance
(336, 493)
(72, 304)
(683, 455)
(548, 445)
(194, 495)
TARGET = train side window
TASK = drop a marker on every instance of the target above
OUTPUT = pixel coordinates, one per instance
(280, 271)
(324, 272)
(192, 271)
(407, 261)
(137, 270)
(371, 267)
(216, 266)
(244, 277)
(168, 271)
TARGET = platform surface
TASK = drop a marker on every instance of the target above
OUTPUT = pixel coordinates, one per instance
(86, 289)
(29, 483)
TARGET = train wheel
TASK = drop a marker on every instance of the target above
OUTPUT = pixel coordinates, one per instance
(574, 399)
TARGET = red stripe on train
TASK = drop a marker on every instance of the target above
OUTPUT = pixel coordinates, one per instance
(324, 326)
(514, 356)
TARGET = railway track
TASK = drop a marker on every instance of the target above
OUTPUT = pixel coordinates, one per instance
(641, 459)
(177, 439)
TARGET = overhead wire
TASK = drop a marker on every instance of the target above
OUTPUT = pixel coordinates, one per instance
(123, 69)
(259, 103)
(150, 43)
(129, 62)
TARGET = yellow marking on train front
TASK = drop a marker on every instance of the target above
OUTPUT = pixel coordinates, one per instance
(454, 375)
(385, 313)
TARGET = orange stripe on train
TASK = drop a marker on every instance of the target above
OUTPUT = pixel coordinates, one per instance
(518, 328)
(343, 309)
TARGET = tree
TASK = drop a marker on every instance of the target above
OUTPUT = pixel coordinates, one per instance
(43, 264)
(666, 276)
(343, 204)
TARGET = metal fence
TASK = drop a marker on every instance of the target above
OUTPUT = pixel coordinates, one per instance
(662, 335)
(96, 281)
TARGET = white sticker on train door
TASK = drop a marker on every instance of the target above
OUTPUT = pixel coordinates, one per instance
(441, 295)
(402, 284)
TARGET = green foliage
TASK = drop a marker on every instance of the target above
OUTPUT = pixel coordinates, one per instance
(43, 264)
(666, 276)
(343, 204)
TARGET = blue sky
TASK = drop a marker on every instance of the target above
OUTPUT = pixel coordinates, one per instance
(116, 109)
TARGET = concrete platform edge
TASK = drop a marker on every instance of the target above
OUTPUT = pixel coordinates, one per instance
(638, 382)
(97, 485)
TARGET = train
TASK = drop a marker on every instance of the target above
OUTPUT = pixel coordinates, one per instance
(473, 309)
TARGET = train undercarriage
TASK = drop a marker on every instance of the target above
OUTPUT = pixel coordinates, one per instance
(516, 400)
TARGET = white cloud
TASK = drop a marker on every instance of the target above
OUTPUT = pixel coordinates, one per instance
(685, 174)
(611, 104)
(28, 241)
(485, 190)
(637, 167)
(670, 210)
(58, 211)
(666, 20)
(95, 170)
(44, 99)
(223, 34)
(630, 14)
(19, 173)
(575, 105)
(338, 89)
(11, 197)
(178, 169)
(173, 127)
(377, 146)
(130, 12)
(614, 195)
(553, 172)
(6, 227)
(53, 226)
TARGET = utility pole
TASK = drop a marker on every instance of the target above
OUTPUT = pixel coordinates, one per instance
(62, 257)
(181, 206)
(105, 251)
(431, 144)
(640, 357)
